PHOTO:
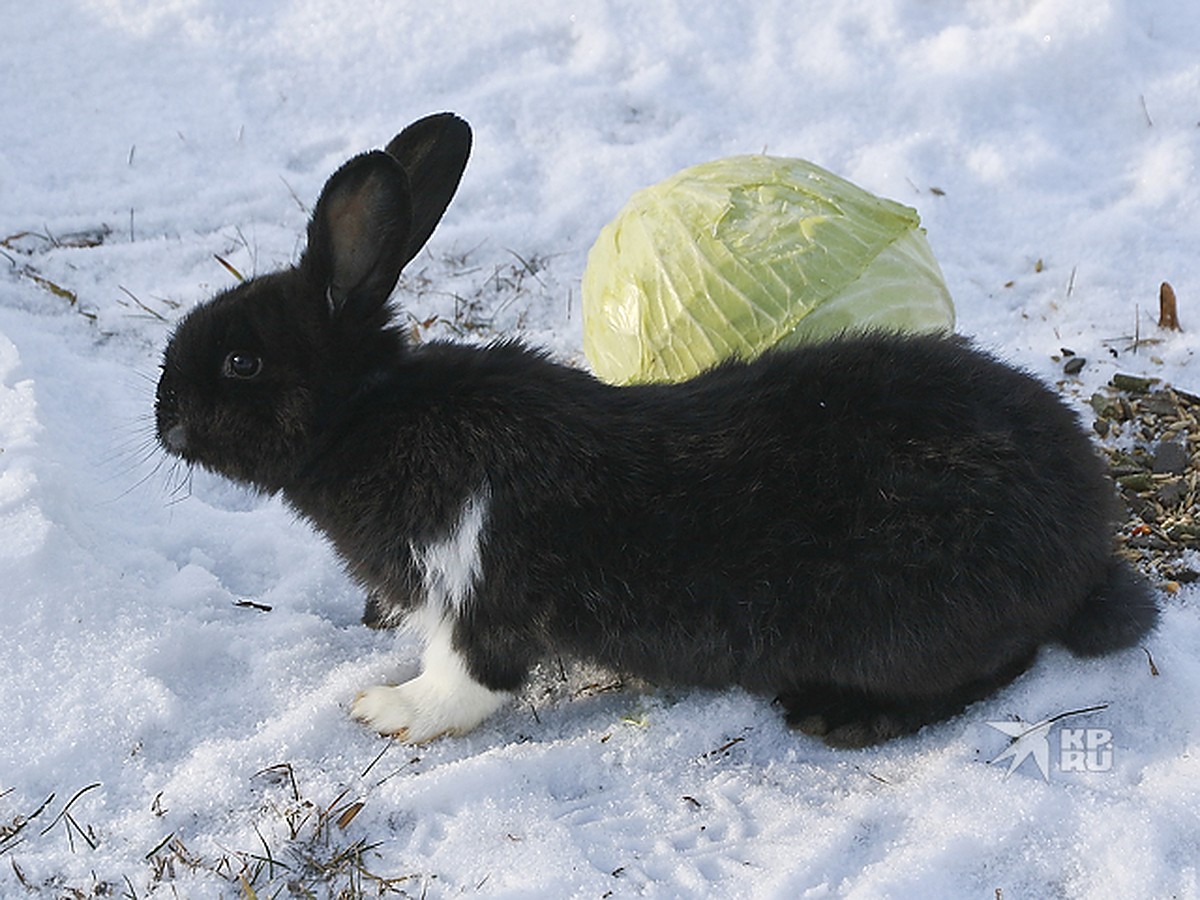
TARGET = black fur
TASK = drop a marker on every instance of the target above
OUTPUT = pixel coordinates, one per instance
(877, 530)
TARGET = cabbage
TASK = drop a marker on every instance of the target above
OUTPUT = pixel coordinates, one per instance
(733, 256)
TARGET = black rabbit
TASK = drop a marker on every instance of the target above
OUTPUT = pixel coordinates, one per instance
(876, 530)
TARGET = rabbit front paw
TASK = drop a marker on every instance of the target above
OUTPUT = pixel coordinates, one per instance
(443, 699)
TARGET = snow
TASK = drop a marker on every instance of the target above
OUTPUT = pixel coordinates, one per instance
(211, 739)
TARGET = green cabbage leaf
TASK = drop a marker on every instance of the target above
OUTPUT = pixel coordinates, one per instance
(731, 257)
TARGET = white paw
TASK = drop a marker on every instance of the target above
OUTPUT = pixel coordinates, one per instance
(399, 711)
(421, 710)
(443, 699)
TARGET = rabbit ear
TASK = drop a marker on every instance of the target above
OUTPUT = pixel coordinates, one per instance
(433, 151)
(359, 233)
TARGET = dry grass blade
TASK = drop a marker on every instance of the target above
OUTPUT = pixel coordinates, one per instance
(229, 268)
(1150, 660)
(21, 876)
(128, 293)
(723, 749)
(160, 845)
(73, 828)
(347, 815)
(12, 242)
(44, 282)
(282, 769)
(10, 833)
(1168, 308)
(247, 890)
(387, 746)
(252, 604)
(66, 810)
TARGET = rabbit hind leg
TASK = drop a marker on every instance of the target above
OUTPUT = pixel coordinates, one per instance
(849, 717)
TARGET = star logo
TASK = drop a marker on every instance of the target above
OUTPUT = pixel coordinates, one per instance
(1032, 740)
(1026, 741)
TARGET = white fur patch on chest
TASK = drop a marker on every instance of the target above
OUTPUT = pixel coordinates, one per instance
(444, 698)
(450, 567)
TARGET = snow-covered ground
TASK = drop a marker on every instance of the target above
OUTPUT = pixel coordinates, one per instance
(175, 737)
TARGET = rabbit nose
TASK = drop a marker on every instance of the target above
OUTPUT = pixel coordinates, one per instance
(175, 439)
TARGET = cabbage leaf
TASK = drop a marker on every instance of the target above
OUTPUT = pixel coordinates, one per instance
(734, 256)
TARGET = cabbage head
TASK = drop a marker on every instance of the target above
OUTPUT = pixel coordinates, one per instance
(734, 256)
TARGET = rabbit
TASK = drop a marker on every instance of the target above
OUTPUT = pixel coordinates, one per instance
(874, 531)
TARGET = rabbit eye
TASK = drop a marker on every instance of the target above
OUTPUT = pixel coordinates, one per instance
(242, 365)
